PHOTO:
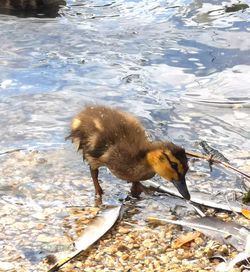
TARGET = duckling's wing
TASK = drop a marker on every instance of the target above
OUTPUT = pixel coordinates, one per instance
(97, 129)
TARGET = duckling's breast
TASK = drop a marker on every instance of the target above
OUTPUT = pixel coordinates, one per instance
(132, 175)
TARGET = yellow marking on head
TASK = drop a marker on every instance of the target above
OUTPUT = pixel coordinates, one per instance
(98, 124)
(161, 165)
(75, 123)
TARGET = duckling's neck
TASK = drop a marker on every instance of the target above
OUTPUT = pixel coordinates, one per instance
(133, 165)
(153, 146)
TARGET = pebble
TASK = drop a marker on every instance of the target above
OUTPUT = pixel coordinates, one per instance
(125, 257)
(39, 215)
(40, 226)
(222, 215)
(123, 230)
(7, 221)
(223, 250)
(164, 258)
(41, 160)
(45, 238)
(147, 243)
(20, 226)
(140, 255)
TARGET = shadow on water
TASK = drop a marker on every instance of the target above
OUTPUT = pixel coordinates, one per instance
(202, 59)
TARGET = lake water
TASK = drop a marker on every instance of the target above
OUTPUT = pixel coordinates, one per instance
(182, 67)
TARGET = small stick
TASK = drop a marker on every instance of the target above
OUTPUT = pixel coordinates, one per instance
(211, 159)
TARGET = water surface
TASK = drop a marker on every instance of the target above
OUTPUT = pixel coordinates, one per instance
(181, 66)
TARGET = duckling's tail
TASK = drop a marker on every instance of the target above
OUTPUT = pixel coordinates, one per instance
(75, 140)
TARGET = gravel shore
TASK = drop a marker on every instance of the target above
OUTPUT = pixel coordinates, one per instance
(46, 202)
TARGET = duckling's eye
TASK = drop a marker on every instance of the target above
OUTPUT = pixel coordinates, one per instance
(174, 165)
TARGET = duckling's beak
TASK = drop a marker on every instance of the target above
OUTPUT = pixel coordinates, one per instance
(182, 188)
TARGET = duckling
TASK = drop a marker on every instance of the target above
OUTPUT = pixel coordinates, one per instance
(31, 5)
(117, 140)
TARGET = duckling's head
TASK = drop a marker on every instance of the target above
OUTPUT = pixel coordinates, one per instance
(170, 162)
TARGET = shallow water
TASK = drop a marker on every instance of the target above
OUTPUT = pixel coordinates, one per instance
(181, 66)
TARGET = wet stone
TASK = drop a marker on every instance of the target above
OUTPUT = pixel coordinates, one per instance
(20, 226)
(123, 230)
(41, 160)
(7, 221)
(45, 238)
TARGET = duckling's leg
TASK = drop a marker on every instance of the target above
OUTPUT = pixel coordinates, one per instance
(137, 188)
(94, 175)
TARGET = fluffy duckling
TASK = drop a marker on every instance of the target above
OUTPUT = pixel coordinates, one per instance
(117, 140)
(31, 5)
